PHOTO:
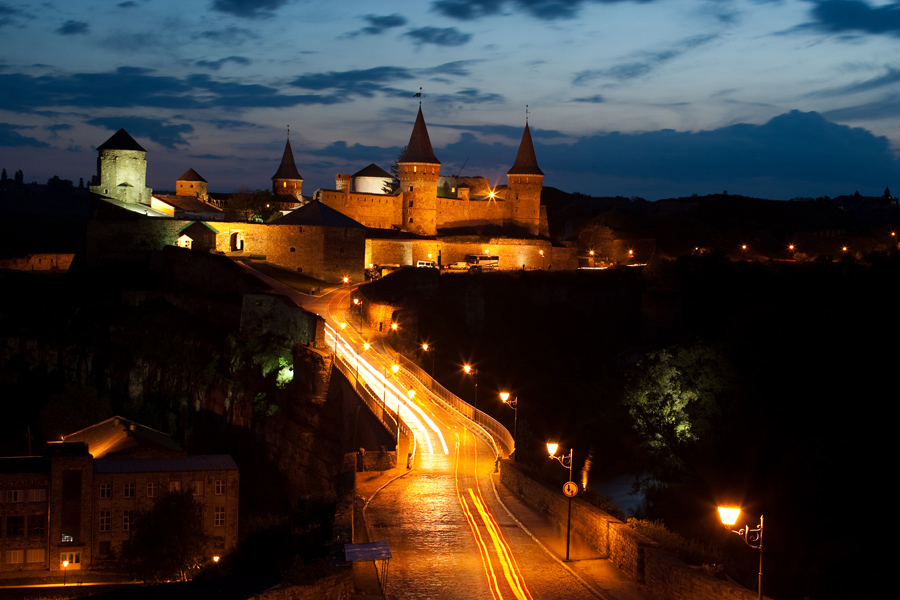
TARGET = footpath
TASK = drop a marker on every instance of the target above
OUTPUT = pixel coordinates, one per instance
(597, 574)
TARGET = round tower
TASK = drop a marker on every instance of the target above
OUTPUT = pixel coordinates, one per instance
(418, 171)
(525, 180)
(191, 184)
(287, 181)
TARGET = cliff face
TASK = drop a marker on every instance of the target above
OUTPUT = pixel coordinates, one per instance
(76, 350)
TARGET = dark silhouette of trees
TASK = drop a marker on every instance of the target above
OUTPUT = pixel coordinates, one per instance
(253, 206)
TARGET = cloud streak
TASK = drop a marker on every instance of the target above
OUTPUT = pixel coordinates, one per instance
(249, 9)
(439, 36)
(379, 24)
(545, 10)
(645, 62)
(74, 28)
(853, 16)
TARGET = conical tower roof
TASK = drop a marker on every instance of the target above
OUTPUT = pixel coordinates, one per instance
(191, 175)
(288, 168)
(120, 140)
(419, 150)
(526, 161)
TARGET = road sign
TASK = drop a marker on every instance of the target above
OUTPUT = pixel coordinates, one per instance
(570, 488)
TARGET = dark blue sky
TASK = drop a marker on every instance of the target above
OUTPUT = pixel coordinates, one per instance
(654, 98)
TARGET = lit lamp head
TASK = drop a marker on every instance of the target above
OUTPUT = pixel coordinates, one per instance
(366, 346)
(215, 559)
(411, 394)
(395, 368)
(504, 396)
(551, 448)
(729, 515)
(425, 347)
(356, 301)
(65, 564)
(343, 326)
(393, 326)
(467, 368)
(346, 279)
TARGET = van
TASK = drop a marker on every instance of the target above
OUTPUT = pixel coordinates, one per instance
(426, 264)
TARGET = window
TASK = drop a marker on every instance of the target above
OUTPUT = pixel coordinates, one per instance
(127, 520)
(410, 188)
(219, 517)
(220, 487)
(37, 524)
(128, 492)
(410, 219)
(410, 203)
(74, 558)
(106, 490)
(38, 495)
(13, 556)
(105, 519)
(152, 488)
(15, 526)
(35, 555)
(197, 488)
(13, 495)
(293, 249)
(174, 486)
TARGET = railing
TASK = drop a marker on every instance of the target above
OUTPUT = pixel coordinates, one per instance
(489, 424)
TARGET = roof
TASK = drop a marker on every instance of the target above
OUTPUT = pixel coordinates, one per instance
(419, 149)
(526, 161)
(203, 223)
(372, 170)
(316, 213)
(201, 462)
(120, 140)
(191, 175)
(288, 168)
(187, 203)
(117, 435)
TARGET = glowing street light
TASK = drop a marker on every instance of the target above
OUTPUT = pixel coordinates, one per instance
(393, 327)
(426, 347)
(65, 571)
(751, 537)
(514, 404)
(359, 307)
(541, 252)
(470, 370)
(566, 462)
(346, 280)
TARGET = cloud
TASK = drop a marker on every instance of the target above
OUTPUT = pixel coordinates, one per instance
(512, 132)
(378, 25)
(130, 87)
(74, 28)
(142, 127)
(128, 4)
(10, 15)
(848, 16)
(547, 10)
(646, 61)
(249, 9)
(362, 82)
(215, 65)
(891, 77)
(885, 108)
(595, 99)
(468, 96)
(457, 68)
(439, 36)
(232, 35)
(9, 137)
(358, 152)
(232, 124)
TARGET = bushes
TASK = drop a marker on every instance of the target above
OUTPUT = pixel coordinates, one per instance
(690, 551)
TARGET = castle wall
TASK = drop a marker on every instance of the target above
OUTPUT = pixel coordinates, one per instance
(513, 253)
(453, 212)
(376, 211)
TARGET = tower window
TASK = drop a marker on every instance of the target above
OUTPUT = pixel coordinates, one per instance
(293, 249)
(410, 219)
(410, 203)
(414, 169)
(410, 188)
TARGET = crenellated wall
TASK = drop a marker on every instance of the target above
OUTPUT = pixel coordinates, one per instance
(376, 211)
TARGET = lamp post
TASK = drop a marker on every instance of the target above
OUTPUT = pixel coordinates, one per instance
(428, 348)
(541, 252)
(751, 537)
(570, 489)
(65, 571)
(470, 370)
(359, 307)
(513, 404)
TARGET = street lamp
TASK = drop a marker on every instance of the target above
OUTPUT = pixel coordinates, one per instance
(470, 370)
(65, 571)
(570, 489)
(346, 280)
(359, 307)
(428, 348)
(513, 404)
(751, 537)
(541, 252)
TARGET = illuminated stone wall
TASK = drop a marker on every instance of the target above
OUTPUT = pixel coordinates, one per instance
(453, 212)
(513, 253)
(418, 187)
(376, 211)
(123, 176)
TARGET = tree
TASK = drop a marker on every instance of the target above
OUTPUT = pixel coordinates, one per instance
(390, 187)
(674, 397)
(3, 177)
(168, 541)
(19, 177)
(246, 205)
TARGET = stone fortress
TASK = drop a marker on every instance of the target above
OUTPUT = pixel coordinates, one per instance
(338, 232)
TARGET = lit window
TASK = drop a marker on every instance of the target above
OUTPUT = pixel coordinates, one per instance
(128, 491)
(219, 517)
(105, 520)
(106, 490)
(197, 488)
(13, 556)
(152, 488)
(220, 487)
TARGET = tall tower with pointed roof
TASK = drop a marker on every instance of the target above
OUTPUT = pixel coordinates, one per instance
(122, 170)
(418, 172)
(287, 181)
(525, 184)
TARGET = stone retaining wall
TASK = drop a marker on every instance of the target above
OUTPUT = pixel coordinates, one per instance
(662, 576)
